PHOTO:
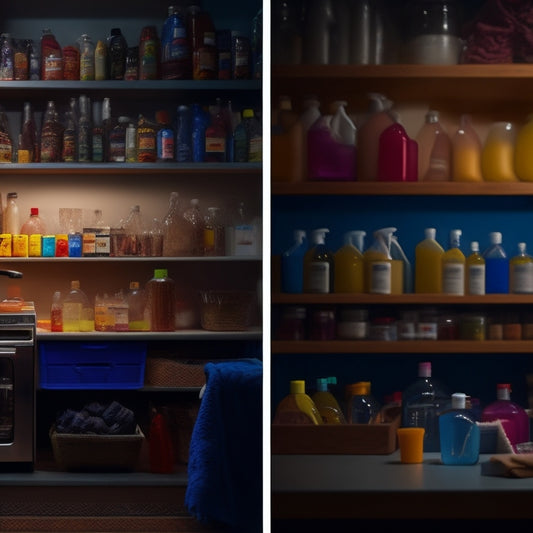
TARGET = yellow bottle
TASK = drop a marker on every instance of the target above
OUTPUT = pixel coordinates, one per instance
(297, 407)
(466, 153)
(521, 271)
(327, 405)
(383, 275)
(453, 266)
(428, 264)
(475, 271)
(497, 156)
(523, 155)
(349, 264)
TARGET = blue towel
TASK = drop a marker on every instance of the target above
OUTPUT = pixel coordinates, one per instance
(225, 454)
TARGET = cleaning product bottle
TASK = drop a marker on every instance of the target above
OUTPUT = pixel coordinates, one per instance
(368, 133)
(475, 271)
(349, 263)
(523, 156)
(459, 434)
(434, 149)
(453, 266)
(292, 264)
(521, 271)
(76, 309)
(428, 264)
(319, 264)
(327, 404)
(497, 155)
(362, 407)
(496, 266)
(422, 402)
(466, 152)
(297, 407)
(380, 277)
(398, 254)
(397, 155)
(514, 418)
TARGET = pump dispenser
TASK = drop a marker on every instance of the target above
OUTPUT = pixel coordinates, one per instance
(428, 264)
(453, 266)
(292, 264)
(496, 266)
(521, 271)
(349, 263)
(380, 277)
(319, 264)
(368, 136)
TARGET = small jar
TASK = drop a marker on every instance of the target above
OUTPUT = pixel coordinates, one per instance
(512, 327)
(495, 327)
(323, 325)
(527, 326)
(448, 328)
(353, 324)
(407, 326)
(292, 324)
(383, 328)
(473, 327)
(428, 325)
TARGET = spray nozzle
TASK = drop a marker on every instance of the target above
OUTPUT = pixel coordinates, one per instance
(319, 235)
(355, 238)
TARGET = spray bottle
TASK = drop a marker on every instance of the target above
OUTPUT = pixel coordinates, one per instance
(398, 254)
(292, 264)
(378, 265)
(349, 263)
(319, 264)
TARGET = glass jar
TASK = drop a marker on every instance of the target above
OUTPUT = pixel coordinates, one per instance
(292, 324)
(473, 327)
(323, 326)
(353, 324)
(383, 328)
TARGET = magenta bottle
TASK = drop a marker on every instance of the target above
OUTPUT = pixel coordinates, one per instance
(513, 417)
(397, 155)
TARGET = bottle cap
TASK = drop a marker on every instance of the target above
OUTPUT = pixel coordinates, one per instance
(34, 211)
(297, 386)
(458, 400)
(160, 273)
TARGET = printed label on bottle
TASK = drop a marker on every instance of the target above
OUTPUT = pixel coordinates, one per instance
(453, 280)
(319, 277)
(381, 277)
(476, 279)
(215, 145)
(6, 148)
(523, 278)
(53, 68)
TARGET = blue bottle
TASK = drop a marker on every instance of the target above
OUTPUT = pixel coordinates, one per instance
(200, 120)
(176, 57)
(292, 264)
(184, 134)
(496, 266)
(459, 434)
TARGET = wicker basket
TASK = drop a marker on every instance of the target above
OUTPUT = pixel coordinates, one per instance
(226, 310)
(83, 452)
(167, 372)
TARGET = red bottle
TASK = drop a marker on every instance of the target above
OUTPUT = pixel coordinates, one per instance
(215, 137)
(397, 155)
(149, 54)
(51, 57)
(160, 443)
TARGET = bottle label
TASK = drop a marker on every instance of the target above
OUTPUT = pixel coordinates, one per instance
(453, 279)
(381, 277)
(476, 279)
(319, 277)
(6, 148)
(53, 68)
(523, 278)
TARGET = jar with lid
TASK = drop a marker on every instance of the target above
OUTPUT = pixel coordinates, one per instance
(427, 328)
(407, 325)
(353, 324)
(323, 325)
(383, 328)
(292, 324)
(448, 328)
(472, 327)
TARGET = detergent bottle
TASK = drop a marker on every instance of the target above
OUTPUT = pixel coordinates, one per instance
(397, 155)
(398, 254)
(497, 155)
(297, 407)
(453, 266)
(428, 264)
(349, 263)
(466, 152)
(292, 264)
(521, 271)
(496, 266)
(368, 136)
(380, 277)
(319, 264)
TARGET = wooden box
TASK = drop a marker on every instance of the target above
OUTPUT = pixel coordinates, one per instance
(378, 438)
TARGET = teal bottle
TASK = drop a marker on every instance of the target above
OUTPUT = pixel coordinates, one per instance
(459, 434)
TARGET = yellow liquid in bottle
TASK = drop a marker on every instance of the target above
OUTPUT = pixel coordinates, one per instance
(428, 267)
(497, 161)
(453, 272)
(349, 270)
(523, 155)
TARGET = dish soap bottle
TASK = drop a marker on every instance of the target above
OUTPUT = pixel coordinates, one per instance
(327, 404)
(428, 264)
(349, 263)
(297, 407)
(453, 266)
(319, 270)
(459, 434)
(292, 264)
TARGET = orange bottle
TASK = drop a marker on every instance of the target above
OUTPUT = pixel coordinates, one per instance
(497, 156)
(466, 153)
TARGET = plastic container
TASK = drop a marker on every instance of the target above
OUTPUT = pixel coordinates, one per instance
(459, 434)
(292, 264)
(12, 215)
(434, 150)
(292, 325)
(353, 324)
(362, 407)
(466, 152)
(323, 325)
(349, 263)
(523, 157)
(428, 264)
(327, 404)
(176, 56)
(78, 315)
(497, 155)
(138, 318)
(319, 264)
(116, 54)
(87, 50)
(453, 266)
(521, 271)
(398, 256)
(183, 134)
(514, 418)
(56, 312)
(474, 271)
(51, 57)
(397, 155)
(422, 403)
(496, 266)
(195, 228)
(297, 407)
(382, 275)
(161, 295)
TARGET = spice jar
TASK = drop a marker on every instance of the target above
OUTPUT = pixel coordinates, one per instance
(323, 325)
(292, 324)
(472, 327)
(407, 325)
(353, 324)
(512, 327)
(383, 328)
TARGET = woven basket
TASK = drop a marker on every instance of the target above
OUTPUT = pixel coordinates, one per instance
(82, 452)
(166, 372)
(226, 310)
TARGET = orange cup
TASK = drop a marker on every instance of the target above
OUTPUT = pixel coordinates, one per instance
(411, 442)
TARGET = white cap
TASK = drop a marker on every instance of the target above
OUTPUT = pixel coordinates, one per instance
(458, 400)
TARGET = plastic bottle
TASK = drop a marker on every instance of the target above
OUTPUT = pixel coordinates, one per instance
(292, 263)
(514, 418)
(138, 319)
(350, 264)
(7, 57)
(427, 139)
(87, 50)
(51, 57)
(175, 236)
(100, 61)
(214, 233)
(327, 404)
(475, 271)
(161, 452)
(245, 232)
(497, 155)
(496, 266)
(215, 136)
(459, 434)
(132, 63)
(6, 142)
(422, 402)
(97, 134)
(51, 135)
(466, 152)
(149, 54)
(398, 256)
(428, 264)
(287, 19)
(12, 215)
(146, 140)
(397, 155)
(521, 271)
(381, 275)
(184, 134)
(85, 127)
(453, 266)
(204, 50)
(56, 312)
(297, 407)
(176, 57)
(116, 54)
(319, 264)
(76, 315)
(161, 301)
(368, 134)
(28, 147)
(165, 137)
(254, 136)
(362, 407)
(34, 225)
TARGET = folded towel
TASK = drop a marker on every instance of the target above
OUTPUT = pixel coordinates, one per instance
(512, 465)
(225, 454)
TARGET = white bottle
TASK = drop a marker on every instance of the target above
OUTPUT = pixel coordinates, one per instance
(12, 215)
(342, 125)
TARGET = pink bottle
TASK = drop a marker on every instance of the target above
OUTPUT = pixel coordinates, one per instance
(397, 155)
(514, 419)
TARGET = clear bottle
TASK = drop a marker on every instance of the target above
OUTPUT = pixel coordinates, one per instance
(195, 221)
(100, 61)
(496, 266)
(297, 407)
(362, 407)
(34, 60)
(466, 152)
(175, 230)
(434, 150)
(104, 319)
(131, 143)
(319, 264)
(87, 50)
(34, 225)
(214, 233)
(69, 149)
(203, 39)
(85, 127)
(133, 228)
(56, 312)
(245, 232)
(327, 404)
(12, 215)
(116, 54)
(475, 271)
(76, 315)
(107, 124)
(350, 263)
(97, 134)
(514, 418)
(28, 146)
(422, 403)
(459, 434)
(117, 141)
(165, 137)
(7, 57)
(51, 135)
(292, 263)
(138, 318)
(521, 271)
(161, 294)
(176, 57)
(6, 142)
(453, 266)
(254, 136)
(119, 309)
